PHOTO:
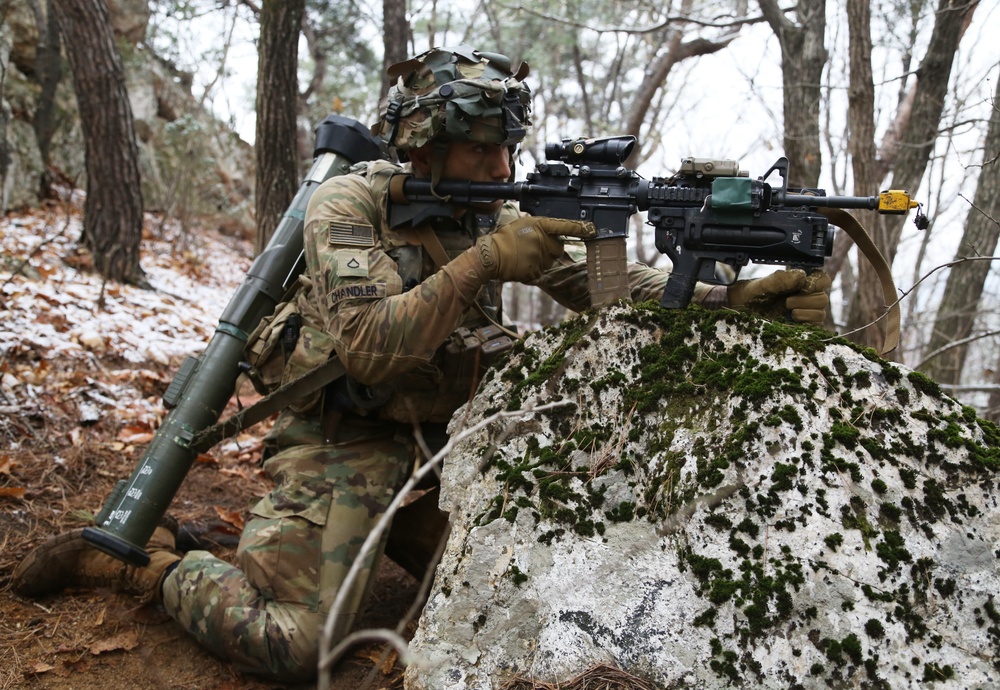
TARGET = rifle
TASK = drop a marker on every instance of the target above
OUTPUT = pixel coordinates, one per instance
(203, 385)
(710, 212)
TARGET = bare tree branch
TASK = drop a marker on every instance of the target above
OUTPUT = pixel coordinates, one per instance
(329, 656)
(633, 30)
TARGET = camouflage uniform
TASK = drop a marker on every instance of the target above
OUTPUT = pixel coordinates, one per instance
(389, 314)
(378, 302)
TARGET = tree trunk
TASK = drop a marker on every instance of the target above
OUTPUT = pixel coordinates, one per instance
(5, 115)
(914, 152)
(993, 405)
(861, 116)
(395, 38)
(49, 70)
(112, 213)
(959, 305)
(803, 57)
(277, 107)
(861, 100)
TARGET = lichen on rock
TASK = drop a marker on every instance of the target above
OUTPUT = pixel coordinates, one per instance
(721, 502)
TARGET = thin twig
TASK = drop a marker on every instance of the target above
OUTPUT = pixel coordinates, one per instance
(632, 30)
(38, 248)
(329, 657)
(953, 344)
(905, 293)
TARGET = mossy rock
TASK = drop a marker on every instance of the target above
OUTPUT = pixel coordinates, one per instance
(718, 501)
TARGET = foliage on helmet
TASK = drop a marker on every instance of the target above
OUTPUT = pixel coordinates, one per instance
(455, 94)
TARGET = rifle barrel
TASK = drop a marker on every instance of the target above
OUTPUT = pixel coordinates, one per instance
(865, 202)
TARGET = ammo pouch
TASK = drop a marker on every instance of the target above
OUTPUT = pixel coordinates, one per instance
(489, 340)
(287, 344)
(475, 350)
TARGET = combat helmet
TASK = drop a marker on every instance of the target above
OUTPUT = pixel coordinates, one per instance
(455, 94)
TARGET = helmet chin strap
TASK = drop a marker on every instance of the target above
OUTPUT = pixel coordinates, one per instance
(439, 150)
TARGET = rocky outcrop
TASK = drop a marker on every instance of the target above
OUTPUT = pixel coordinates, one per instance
(721, 502)
(191, 164)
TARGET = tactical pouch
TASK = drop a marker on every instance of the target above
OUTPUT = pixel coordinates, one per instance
(288, 344)
(481, 346)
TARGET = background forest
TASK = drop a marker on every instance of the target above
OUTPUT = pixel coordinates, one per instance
(208, 107)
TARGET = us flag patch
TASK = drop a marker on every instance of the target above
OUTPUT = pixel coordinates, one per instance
(351, 234)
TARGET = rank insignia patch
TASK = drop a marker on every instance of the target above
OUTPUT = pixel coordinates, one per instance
(351, 234)
(352, 263)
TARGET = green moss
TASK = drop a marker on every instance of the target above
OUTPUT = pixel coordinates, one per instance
(533, 372)
(718, 521)
(833, 541)
(613, 379)
(854, 517)
(845, 434)
(852, 648)
(782, 476)
(833, 650)
(945, 587)
(705, 618)
(516, 576)
(892, 550)
(889, 513)
(924, 384)
(623, 512)
(933, 672)
(681, 382)
(908, 476)
(874, 629)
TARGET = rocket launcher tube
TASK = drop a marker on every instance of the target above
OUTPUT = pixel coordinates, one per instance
(136, 506)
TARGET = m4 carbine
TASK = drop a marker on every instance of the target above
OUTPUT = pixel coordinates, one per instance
(710, 212)
(707, 213)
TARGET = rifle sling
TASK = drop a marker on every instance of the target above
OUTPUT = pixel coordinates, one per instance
(279, 399)
(866, 245)
(433, 246)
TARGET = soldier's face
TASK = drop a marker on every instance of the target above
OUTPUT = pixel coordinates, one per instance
(477, 162)
(468, 160)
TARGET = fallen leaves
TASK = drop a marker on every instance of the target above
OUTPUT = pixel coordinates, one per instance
(122, 641)
(16, 492)
(7, 464)
(135, 433)
(232, 517)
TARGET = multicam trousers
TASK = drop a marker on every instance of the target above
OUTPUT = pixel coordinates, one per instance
(266, 614)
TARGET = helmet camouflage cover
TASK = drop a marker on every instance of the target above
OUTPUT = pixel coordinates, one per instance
(455, 94)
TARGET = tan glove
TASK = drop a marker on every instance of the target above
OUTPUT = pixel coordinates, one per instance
(782, 292)
(524, 249)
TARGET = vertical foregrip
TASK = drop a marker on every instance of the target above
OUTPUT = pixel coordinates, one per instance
(680, 284)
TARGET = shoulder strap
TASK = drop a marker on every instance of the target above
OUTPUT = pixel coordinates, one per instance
(282, 397)
(433, 246)
(866, 246)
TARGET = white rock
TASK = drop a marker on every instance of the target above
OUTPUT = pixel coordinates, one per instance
(726, 504)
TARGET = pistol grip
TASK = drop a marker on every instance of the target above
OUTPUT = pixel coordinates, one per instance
(680, 284)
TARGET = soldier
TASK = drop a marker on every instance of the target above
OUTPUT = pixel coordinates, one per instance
(388, 301)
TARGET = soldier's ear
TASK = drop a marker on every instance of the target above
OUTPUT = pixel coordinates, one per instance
(420, 159)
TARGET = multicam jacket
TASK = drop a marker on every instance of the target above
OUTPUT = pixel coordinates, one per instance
(390, 312)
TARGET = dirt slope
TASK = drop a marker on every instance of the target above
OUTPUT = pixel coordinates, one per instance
(82, 368)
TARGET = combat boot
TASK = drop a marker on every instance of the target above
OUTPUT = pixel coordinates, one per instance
(67, 560)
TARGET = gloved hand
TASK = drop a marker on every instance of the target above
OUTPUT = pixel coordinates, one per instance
(781, 292)
(523, 249)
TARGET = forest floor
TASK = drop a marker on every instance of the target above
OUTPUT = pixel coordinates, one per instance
(82, 367)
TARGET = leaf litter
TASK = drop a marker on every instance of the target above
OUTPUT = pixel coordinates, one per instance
(83, 366)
